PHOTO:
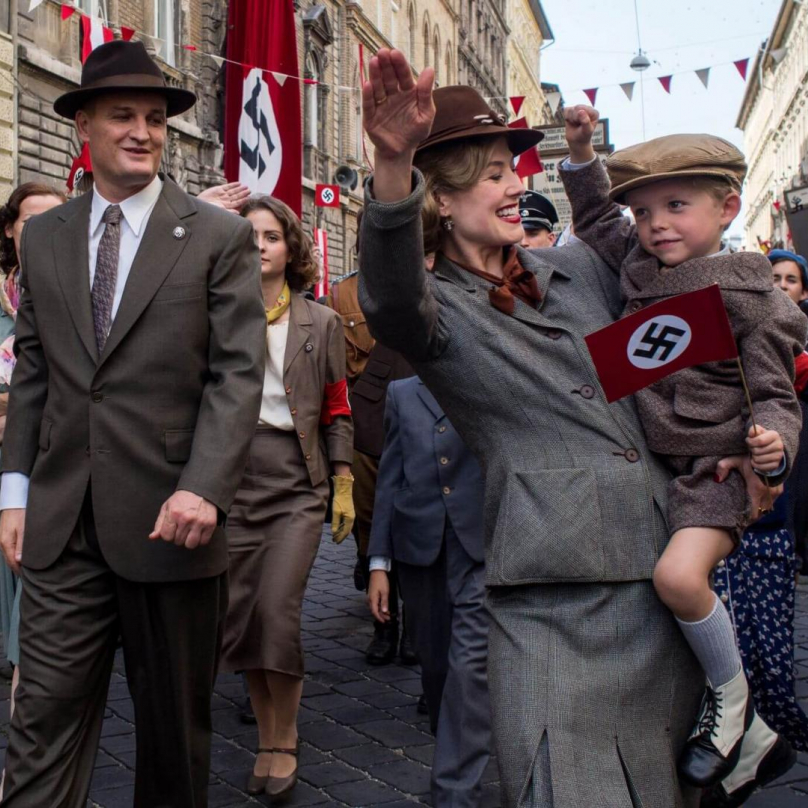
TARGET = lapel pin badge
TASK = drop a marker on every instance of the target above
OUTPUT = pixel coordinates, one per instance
(309, 347)
(179, 232)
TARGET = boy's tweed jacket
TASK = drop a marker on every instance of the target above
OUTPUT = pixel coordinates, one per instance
(582, 652)
(701, 411)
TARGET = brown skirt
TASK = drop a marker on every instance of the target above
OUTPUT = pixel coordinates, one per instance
(273, 532)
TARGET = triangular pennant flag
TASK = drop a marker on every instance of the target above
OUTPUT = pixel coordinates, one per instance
(93, 34)
(218, 59)
(592, 95)
(628, 89)
(189, 47)
(553, 100)
(127, 33)
(742, 65)
(280, 78)
(665, 81)
(778, 54)
(34, 4)
(516, 103)
(67, 11)
(528, 163)
(704, 76)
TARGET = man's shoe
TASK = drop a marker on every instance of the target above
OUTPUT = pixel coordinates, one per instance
(765, 756)
(359, 582)
(714, 747)
(406, 653)
(382, 648)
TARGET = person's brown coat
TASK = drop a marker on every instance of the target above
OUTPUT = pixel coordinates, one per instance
(171, 403)
(315, 357)
(701, 411)
(344, 299)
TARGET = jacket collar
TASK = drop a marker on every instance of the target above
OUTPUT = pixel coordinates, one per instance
(429, 400)
(299, 329)
(742, 271)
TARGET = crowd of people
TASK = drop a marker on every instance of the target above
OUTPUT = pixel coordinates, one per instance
(600, 594)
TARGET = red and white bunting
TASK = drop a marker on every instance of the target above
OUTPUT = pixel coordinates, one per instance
(516, 103)
(67, 11)
(553, 100)
(742, 65)
(93, 34)
(528, 162)
(665, 81)
(592, 95)
(321, 243)
(34, 4)
(628, 89)
(704, 76)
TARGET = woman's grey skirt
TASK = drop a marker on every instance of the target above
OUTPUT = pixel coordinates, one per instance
(273, 534)
(594, 693)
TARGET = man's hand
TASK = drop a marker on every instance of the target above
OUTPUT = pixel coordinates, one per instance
(760, 495)
(766, 447)
(581, 121)
(185, 519)
(12, 530)
(378, 595)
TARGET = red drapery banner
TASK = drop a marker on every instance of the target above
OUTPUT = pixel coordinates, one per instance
(93, 34)
(263, 140)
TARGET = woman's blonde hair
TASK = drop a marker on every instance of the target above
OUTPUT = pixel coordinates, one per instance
(303, 270)
(453, 166)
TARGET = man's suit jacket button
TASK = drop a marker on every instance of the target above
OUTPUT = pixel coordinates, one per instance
(302, 435)
(441, 429)
(288, 390)
(444, 461)
(308, 457)
(632, 455)
(552, 333)
(293, 411)
(447, 490)
(587, 391)
(97, 397)
(634, 306)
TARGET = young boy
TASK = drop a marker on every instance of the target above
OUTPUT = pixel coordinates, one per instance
(684, 191)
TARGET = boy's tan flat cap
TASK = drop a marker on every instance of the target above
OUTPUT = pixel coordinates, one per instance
(674, 156)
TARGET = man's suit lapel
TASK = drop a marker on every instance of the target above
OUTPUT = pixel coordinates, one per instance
(159, 251)
(299, 330)
(71, 257)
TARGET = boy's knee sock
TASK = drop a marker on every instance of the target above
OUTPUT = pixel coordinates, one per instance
(713, 642)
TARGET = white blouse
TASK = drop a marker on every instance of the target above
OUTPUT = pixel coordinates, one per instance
(274, 406)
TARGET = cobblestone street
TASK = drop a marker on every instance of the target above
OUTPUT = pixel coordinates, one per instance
(362, 740)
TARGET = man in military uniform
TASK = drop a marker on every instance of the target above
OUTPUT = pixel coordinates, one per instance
(539, 217)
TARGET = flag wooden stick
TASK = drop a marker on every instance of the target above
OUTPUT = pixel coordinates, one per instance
(754, 425)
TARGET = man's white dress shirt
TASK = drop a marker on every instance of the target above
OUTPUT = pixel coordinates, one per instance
(135, 211)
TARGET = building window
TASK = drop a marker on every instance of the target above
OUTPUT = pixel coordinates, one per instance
(426, 42)
(394, 9)
(312, 105)
(94, 8)
(166, 17)
(411, 32)
(436, 56)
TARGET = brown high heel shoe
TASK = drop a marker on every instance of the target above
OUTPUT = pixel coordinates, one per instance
(278, 786)
(256, 784)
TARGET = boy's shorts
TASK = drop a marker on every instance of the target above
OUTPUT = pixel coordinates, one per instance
(695, 499)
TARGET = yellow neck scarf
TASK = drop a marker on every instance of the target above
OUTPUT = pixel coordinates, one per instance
(281, 304)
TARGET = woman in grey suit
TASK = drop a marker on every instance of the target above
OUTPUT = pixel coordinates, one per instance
(593, 689)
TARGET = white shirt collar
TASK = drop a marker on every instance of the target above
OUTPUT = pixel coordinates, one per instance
(134, 208)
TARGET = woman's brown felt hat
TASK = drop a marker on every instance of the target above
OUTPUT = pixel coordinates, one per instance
(461, 112)
(120, 66)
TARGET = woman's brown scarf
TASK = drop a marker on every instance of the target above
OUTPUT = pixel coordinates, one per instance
(516, 281)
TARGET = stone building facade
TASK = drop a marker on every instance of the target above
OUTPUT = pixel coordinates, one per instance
(482, 49)
(530, 30)
(774, 120)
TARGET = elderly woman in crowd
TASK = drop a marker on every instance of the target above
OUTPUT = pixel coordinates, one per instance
(25, 201)
(593, 689)
(274, 526)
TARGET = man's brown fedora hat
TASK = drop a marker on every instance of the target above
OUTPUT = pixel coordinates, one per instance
(673, 156)
(120, 66)
(461, 112)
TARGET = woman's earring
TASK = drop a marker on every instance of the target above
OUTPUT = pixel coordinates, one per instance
(448, 224)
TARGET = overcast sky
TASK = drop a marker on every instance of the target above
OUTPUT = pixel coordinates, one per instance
(596, 39)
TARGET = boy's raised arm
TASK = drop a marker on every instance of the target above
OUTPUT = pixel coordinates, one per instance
(597, 220)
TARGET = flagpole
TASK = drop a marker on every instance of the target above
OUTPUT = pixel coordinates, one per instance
(754, 426)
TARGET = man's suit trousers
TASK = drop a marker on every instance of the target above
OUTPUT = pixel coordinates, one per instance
(446, 615)
(72, 615)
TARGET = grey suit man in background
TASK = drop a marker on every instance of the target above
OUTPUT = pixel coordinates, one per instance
(136, 392)
(428, 516)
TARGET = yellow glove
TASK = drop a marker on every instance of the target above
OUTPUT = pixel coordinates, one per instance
(342, 508)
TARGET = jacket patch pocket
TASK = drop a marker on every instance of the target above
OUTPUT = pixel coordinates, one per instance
(45, 434)
(367, 390)
(179, 291)
(707, 403)
(549, 527)
(178, 444)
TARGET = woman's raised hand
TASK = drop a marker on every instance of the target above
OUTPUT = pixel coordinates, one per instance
(397, 111)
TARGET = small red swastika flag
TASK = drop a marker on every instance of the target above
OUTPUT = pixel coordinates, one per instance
(326, 196)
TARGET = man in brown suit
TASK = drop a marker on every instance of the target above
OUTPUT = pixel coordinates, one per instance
(136, 392)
